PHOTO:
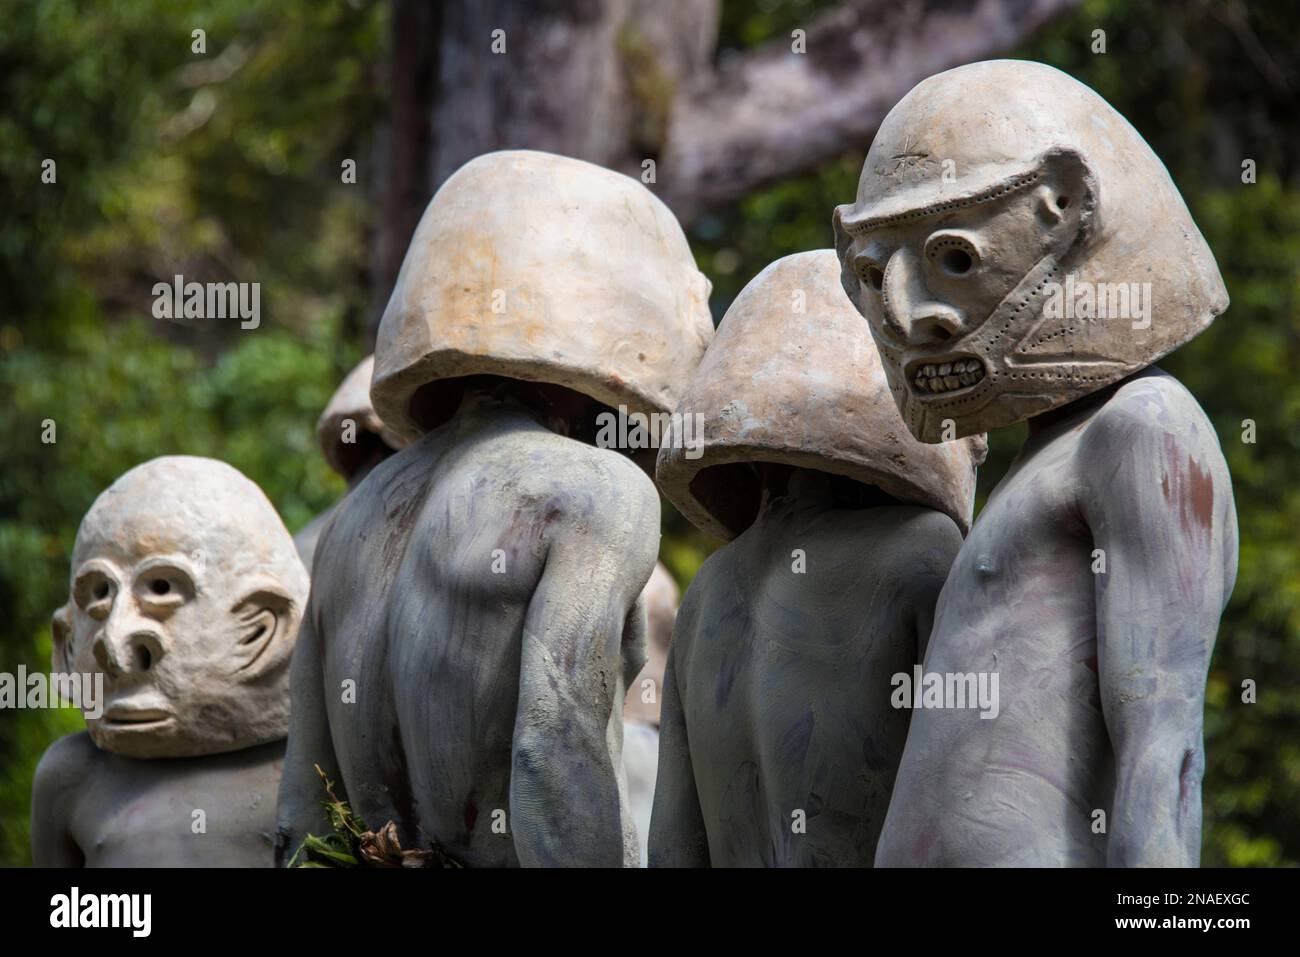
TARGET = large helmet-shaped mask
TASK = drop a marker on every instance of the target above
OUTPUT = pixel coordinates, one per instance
(538, 267)
(349, 427)
(793, 378)
(1016, 245)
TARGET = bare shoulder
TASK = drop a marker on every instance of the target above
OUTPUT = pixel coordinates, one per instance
(715, 578)
(597, 493)
(922, 534)
(718, 566)
(388, 486)
(912, 546)
(903, 541)
(64, 767)
(717, 573)
(365, 521)
(1150, 458)
(606, 466)
(1152, 413)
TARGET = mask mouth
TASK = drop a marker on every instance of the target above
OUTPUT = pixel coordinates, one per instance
(945, 376)
(127, 715)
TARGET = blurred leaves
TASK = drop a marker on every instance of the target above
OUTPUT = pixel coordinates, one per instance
(222, 166)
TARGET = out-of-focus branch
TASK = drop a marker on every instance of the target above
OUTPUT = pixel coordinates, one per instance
(773, 113)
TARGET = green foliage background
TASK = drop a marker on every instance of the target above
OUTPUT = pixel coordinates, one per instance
(227, 165)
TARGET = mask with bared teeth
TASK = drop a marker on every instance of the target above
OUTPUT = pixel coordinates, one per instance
(988, 189)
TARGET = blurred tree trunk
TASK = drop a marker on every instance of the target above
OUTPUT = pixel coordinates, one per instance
(618, 82)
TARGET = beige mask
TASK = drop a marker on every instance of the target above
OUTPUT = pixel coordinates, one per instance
(349, 418)
(1016, 245)
(538, 267)
(793, 378)
(186, 594)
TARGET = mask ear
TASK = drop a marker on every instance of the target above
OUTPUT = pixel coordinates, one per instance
(266, 624)
(702, 287)
(61, 631)
(843, 243)
(1069, 195)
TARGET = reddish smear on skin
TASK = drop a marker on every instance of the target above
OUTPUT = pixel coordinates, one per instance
(1195, 488)
(1183, 774)
(1202, 493)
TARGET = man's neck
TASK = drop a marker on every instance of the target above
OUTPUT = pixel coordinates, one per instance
(795, 490)
(1041, 423)
(480, 402)
(804, 490)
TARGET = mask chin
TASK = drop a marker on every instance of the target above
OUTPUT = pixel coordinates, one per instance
(154, 739)
(202, 729)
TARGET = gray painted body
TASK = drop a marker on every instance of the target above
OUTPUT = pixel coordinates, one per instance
(1102, 676)
(778, 685)
(478, 693)
(309, 535)
(94, 808)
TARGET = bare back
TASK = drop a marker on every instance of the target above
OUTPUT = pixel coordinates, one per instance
(779, 743)
(440, 572)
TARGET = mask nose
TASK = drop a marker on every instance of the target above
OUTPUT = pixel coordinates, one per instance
(914, 317)
(126, 646)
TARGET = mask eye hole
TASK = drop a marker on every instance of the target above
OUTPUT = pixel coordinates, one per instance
(869, 271)
(164, 586)
(954, 255)
(956, 262)
(94, 591)
(1062, 202)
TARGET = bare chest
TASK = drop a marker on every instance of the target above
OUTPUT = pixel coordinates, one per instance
(1023, 586)
(134, 814)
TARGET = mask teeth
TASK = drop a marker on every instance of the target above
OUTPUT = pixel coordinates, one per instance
(948, 376)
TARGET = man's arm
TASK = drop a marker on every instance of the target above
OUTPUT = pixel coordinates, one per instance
(564, 796)
(299, 808)
(54, 792)
(677, 834)
(635, 630)
(936, 540)
(1158, 500)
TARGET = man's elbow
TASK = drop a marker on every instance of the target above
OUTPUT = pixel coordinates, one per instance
(1156, 817)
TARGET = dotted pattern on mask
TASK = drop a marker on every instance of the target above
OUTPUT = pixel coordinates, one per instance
(996, 192)
(939, 245)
